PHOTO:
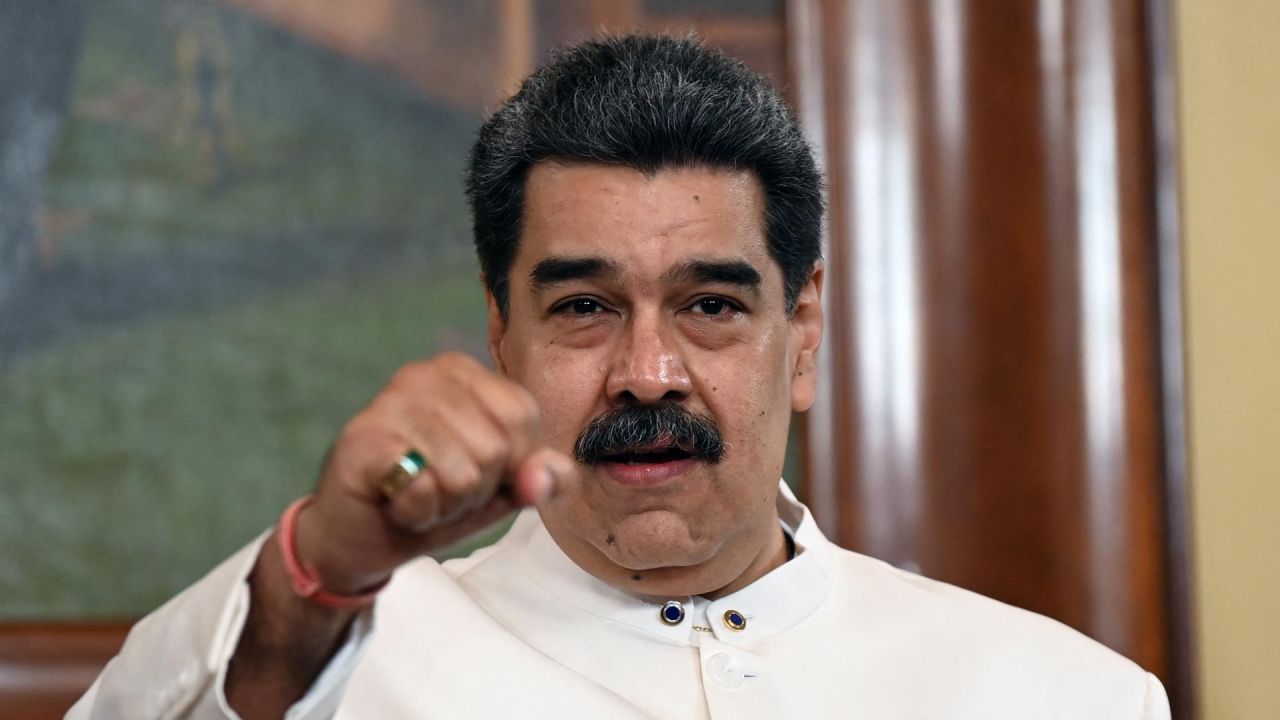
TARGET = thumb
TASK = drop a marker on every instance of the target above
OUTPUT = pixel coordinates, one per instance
(544, 475)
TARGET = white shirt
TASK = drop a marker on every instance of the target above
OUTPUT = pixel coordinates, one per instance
(519, 630)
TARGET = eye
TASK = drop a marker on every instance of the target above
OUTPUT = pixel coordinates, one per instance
(711, 306)
(579, 306)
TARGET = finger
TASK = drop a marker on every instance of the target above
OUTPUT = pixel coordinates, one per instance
(443, 490)
(543, 476)
(362, 455)
(471, 429)
(418, 506)
(514, 411)
(498, 507)
(508, 405)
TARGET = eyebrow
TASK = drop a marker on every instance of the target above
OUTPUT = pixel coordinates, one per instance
(557, 270)
(729, 272)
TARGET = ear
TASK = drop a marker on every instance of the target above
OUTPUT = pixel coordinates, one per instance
(806, 334)
(497, 329)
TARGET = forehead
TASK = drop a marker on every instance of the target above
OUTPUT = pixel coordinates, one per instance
(644, 222)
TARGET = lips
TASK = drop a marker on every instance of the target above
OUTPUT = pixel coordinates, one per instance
(650, 455)
(638, 470)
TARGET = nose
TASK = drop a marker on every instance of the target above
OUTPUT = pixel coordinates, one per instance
(648, 366)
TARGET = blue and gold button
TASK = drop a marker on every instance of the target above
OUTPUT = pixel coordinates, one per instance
(672, 613)
(735, 620)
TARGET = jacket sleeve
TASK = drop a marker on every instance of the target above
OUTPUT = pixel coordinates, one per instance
(174, 661)
(1156, 704)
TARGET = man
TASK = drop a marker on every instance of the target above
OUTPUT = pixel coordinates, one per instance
(647, 216)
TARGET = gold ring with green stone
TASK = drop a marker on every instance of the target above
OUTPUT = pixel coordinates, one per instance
(409, 466)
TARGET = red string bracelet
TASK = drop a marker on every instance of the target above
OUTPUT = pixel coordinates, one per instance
(303, 577)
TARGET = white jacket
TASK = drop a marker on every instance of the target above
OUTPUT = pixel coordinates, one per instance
(518, 630)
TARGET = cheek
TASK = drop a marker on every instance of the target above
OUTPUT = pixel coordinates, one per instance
(749, 392)
(567, 383)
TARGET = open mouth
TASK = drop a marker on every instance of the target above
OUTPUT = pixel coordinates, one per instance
(649, 465)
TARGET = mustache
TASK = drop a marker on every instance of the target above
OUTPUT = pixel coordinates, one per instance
(640, 428)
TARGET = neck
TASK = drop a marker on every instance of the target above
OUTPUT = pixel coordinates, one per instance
(771, 557)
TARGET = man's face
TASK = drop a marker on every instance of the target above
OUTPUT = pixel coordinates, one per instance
(630, 290)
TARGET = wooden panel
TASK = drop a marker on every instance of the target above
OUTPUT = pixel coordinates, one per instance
(46, 667)
(993, 414)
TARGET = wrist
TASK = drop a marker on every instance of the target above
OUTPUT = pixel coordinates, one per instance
(297, 535)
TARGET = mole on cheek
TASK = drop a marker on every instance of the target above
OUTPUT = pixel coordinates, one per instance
(637, 578)
(608, 539)
(697, 199)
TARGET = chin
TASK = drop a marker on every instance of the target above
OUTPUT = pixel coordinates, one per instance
(656, 539)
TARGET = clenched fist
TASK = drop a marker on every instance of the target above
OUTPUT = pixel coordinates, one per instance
(479, 433)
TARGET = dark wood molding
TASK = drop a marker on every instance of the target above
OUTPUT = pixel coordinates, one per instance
(1002, 402)
(823, 458)
(46, 667)
(1166, 199)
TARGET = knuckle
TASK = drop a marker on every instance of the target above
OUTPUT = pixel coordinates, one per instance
(521, 411)
(492, 450)
(361, 423)
(456, 361)
(370, 432)
(469, 476)
(528, 403)
(421, 493)
(351, 432)
(417, 506)
(406, 373)
(513, 420)
(412, 369)
(417, 373)
(462, 479)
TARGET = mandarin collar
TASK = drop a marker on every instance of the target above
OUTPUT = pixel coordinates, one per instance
(782, 598)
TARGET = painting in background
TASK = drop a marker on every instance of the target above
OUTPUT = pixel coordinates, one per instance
(224, 225)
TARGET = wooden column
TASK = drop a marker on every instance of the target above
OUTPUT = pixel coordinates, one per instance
(994, 413)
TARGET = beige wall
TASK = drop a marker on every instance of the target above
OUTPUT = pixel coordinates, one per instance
(1229, 65)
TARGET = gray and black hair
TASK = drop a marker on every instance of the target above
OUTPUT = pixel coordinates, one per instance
(647, 103)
